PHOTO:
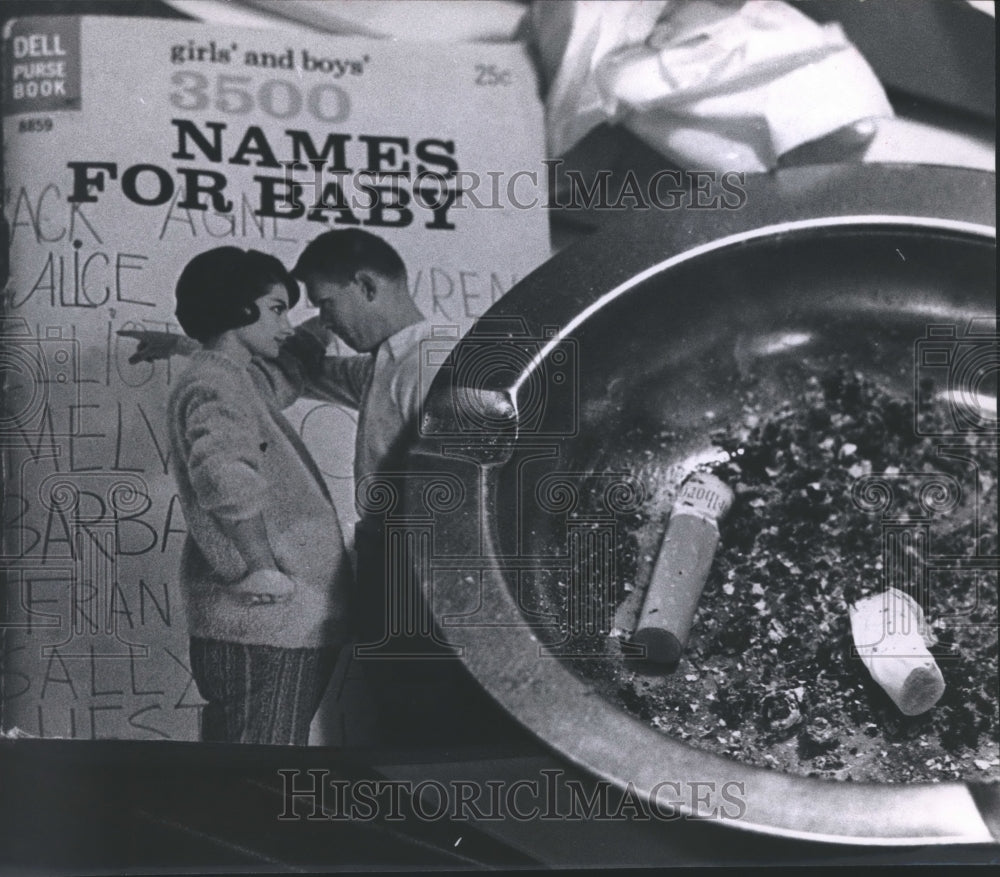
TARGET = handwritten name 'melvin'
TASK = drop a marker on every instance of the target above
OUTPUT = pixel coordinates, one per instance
(39, 68)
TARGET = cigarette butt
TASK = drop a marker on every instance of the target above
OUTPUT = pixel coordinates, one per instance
(682, 568)
(891, 637)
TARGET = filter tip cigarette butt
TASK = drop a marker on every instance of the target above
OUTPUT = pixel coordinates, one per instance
(890, 635)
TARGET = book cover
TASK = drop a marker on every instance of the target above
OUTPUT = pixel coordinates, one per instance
(130, 146)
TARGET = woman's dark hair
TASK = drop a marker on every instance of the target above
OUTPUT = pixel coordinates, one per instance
(341, 253)
(218, 290)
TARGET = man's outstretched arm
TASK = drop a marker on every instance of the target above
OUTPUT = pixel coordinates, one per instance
(302, 370)
(154, 345)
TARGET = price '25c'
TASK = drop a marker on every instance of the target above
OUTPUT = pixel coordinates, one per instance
(490, 74)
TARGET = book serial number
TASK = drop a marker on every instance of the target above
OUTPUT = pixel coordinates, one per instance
(31, 126)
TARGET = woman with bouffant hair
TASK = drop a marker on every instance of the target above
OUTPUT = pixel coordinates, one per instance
(264, 573)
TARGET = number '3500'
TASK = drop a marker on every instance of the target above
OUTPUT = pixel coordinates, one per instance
(279, 98)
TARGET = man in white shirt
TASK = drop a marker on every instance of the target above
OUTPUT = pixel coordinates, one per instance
(359, 283)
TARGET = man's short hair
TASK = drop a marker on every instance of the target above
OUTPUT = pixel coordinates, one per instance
(218, 290)
(339, 254)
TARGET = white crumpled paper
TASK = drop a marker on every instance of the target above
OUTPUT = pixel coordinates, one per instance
(711, 85)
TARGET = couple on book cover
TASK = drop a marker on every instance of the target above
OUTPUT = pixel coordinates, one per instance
(267, 582)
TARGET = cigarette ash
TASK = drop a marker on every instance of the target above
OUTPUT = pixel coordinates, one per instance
(769, 677)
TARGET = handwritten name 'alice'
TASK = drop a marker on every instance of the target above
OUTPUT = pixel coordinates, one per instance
(379, 196)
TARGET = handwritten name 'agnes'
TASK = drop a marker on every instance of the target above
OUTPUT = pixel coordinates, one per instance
(348, 180)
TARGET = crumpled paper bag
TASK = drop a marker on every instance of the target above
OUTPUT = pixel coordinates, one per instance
(710, 84)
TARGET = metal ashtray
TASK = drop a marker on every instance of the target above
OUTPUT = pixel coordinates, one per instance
(663, 312)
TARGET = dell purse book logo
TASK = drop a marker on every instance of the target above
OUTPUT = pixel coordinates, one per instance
(41, 65)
